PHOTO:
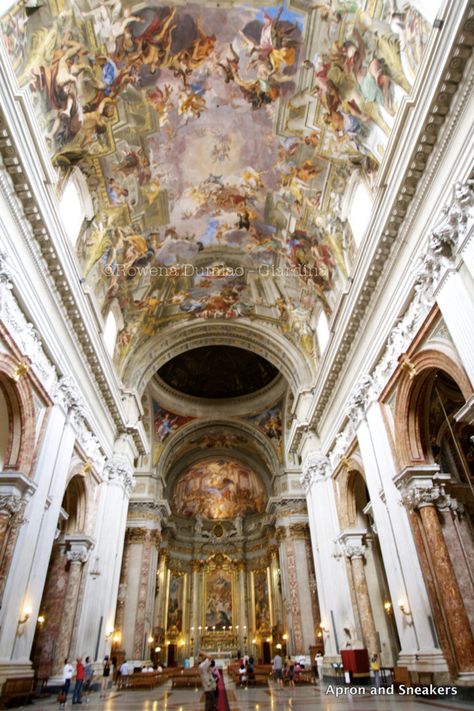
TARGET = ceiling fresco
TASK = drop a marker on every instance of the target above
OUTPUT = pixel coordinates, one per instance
(217, 144)
(165, 423)
(218, 488)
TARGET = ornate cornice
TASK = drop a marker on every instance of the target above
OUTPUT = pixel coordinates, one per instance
(456, 219)
(25, 208)
(157, 511)
(298, 530)
(449, 81)
(316, 468)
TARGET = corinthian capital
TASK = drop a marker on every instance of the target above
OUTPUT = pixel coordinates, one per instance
(316, 467)
(9, 504)
(362, 395)
(68, 396)
(353, 543)
(119, 470)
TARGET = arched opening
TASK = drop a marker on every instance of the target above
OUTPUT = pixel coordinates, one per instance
(59, 601)
(437, 445)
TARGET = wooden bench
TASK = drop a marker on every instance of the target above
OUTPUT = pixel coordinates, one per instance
(181, 678)
(139, 680)
(17, 688)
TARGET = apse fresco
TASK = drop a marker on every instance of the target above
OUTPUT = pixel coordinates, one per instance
(215, 139)
(218, 488)
(219, 600)
(165, 423)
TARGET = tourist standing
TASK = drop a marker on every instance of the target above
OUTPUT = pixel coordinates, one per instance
(375, 669)
(88, 674)
(278, 670)
(68, 673)
(105, 677)
(319, 659)
(80, 676)
(124, 671)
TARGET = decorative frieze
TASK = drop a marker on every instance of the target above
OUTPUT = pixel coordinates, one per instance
(22, 331)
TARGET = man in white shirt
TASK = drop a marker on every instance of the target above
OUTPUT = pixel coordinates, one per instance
(124, 672)
(68, 673)
(207, 680)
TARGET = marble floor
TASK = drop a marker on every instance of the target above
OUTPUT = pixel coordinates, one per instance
(259, 699)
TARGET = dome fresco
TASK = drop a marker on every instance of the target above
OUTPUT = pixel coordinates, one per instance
(217, 144)
(218, 488)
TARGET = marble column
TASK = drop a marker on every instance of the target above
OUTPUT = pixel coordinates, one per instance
(34, 541)
(77, 554)
(243, 609)
(335, 602)
(354, 549)
(15, 491)
(147, 541)
(423, 497)
(101, 590)
(122, 591)
(296, 586)
(419, 645)
(195, 606)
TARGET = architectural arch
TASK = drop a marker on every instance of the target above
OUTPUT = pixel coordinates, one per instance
(411, 391)
(19, 421)
(261, 339)
(174, 448)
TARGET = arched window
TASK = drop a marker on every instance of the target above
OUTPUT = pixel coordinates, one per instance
(110, 332)
(75, 205)
(360, 211)
(322, 331)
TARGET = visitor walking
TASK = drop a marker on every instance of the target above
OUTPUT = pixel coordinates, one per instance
(207, 680)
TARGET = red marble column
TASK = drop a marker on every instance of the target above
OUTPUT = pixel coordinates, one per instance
(369, 631)
(69, 612)
(455, 612)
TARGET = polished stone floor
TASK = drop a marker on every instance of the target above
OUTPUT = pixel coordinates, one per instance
(304, 698)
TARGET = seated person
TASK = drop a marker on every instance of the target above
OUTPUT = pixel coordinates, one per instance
(242, 674)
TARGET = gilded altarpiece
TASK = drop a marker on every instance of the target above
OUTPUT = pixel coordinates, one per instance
(219, 599)
(175, 602)
(262, 602)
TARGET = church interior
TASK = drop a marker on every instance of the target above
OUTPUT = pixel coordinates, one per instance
(236, 340)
